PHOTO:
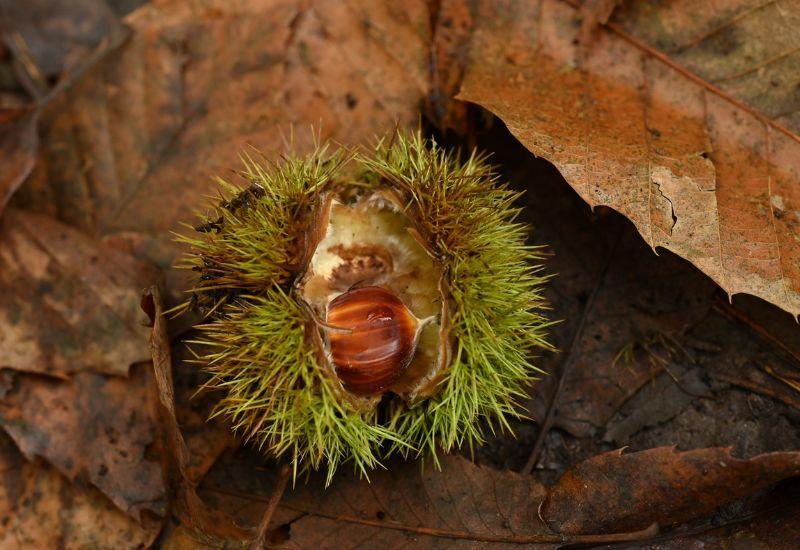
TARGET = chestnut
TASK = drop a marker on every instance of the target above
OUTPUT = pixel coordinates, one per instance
(372, 336)
(363, 302)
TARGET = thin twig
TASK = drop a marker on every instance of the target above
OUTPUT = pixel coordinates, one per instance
(728, 311)
(565, 364)
(277, 494)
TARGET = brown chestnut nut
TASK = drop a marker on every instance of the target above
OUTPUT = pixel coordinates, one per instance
(373, 336)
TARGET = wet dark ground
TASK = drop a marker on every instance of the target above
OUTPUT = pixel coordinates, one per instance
(663, 358)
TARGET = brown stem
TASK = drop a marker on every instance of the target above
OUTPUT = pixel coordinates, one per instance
(728, 311)
(277, 494)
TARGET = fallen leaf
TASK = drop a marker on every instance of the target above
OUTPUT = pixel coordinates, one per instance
(633, 301)
(67, 303)
(622, 491)
(594, 13)
(93, 429)
(462, 503)
(745, 358)
(406, 504)
(134, 144)
(41, 509)
(696, 172)
(750, 49)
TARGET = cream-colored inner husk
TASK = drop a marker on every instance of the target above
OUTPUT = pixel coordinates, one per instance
(369, 243)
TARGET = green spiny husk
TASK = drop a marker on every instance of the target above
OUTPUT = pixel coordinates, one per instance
(257, 337)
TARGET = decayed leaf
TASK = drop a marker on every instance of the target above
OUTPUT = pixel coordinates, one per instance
(695, 172)
(206, 438)
(748, 48)
(616, 491)
(134, 144)
(658, 402)
(94, 429)
(404, 504)
(40, 509)
(67, 303)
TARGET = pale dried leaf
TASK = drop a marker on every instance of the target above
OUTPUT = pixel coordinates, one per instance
(67, 303)
(41, 509)
(748, 48)
(94, 430)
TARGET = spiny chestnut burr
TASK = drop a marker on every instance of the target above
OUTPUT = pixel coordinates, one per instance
(372, 337)
(364, 303)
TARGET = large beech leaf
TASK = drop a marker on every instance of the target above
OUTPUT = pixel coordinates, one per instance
(67, 302)
(93, 429)
(697, 172)
(660, 484)
(41, 509)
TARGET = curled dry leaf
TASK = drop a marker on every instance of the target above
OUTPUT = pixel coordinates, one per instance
(41, 509)
(617, 491)
(67, 303)
(93, 429)
(206, 438)
(698, 173)
(207, 523)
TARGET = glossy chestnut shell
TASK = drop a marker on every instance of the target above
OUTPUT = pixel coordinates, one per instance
(372, 337)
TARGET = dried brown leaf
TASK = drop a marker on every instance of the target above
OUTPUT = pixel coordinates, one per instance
(635, 300)
(40, 509)
(618, 491)
(463, 505)
(93, 429)
(748, 48)
(696, 171)
(67, 303)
